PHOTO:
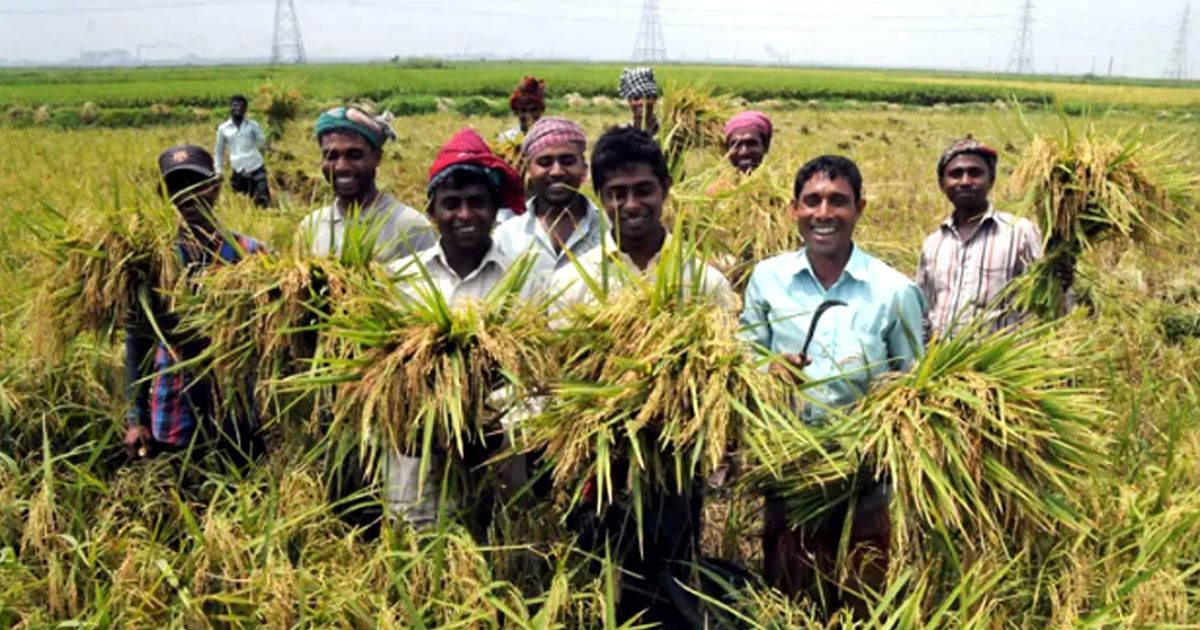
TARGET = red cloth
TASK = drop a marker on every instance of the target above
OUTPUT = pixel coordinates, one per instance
(468, 147)
(756, 121)
(529, 91)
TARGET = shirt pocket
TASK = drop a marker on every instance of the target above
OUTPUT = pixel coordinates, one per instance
(857, 357)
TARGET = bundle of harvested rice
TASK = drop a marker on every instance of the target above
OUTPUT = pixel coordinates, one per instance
(691, 117)
(985, 440)
(417, 373)
(107, 267)
(1088, 188)
(655, 383)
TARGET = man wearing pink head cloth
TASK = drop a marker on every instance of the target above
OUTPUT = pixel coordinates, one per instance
(559, 221)
(747, 140)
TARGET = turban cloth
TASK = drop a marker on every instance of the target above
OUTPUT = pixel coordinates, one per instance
(971, 146)
(374, 129)
(750, 121)
(529, 92)
(638, 83)
(466, 151)
(550, 131)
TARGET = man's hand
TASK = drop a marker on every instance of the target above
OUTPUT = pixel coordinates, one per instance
(791, 367)
(137, 441)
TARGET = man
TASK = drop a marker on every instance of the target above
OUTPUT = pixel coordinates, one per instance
(374, 222)
(747, 140)
(243, 138)
(973, 256)
(640, 91)
(560, 222)
(528, 103)
(629, 173)
(468, 184)
(878, 329)
(170, 407)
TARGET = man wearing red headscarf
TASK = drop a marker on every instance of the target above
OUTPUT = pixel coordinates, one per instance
(468, 185)
(528, 103)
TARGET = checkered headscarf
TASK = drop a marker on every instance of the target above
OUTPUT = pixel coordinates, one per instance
(552, 130)
(638, 83)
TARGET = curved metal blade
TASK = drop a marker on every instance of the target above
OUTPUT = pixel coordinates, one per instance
(812, 327)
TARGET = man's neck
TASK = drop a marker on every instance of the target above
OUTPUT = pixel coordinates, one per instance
(359, 203)
(560, 222)
(972, 215)
(237, 121)
(829, 269)
(641, 252)
(464, 262)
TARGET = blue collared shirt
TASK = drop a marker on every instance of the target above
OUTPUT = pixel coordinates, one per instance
(878, 330)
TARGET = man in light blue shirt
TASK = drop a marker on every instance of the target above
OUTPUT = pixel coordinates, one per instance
(876, 329)
(243, 138)
(559, 222)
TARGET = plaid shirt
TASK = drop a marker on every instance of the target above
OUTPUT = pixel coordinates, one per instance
(962, 280)
(171, 401)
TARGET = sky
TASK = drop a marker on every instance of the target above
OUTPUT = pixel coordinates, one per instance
(1068, 36)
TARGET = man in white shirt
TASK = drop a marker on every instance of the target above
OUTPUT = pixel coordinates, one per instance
(377, 224)
(467, 187)
(559, 222)
(243, 138)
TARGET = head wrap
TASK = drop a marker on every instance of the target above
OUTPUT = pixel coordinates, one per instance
(972, 146)
(750, 121)
(374, 129)
(529, 91)
(467, 151)
(638, 83)
(552, 130)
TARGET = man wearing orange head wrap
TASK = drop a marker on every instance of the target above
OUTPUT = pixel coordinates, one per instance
(528, 102)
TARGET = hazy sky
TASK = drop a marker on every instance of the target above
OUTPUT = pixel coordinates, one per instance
(1070, 36)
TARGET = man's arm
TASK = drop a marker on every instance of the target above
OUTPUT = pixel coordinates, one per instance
(138, 346)
(925, 283)
(219, 152)
(905, 340)
(260, 138)
(756, 327)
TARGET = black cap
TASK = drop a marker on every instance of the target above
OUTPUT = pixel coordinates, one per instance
(187, 157)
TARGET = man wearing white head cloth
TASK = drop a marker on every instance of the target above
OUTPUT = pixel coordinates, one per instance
(559, 222)
(640, 90)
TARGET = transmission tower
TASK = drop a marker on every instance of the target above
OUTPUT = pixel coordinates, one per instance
(1020, 60)
(286, 45)
(1177, 67)
(650, 46)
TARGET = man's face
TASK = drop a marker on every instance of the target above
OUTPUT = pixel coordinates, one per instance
(746, 150)
(464, 216)
(349, 162)
(967, 181)
(528, 114)
(633, 198)
(642, 109)
(826, 212)
(193, 195)
(556, 173)
(237, 109)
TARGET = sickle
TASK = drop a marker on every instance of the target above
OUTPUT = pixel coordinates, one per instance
(812, 327)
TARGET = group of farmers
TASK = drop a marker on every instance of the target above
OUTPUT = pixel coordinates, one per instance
(481, 214)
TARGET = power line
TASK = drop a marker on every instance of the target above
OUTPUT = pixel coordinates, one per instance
(1177, 67)
(286, 45)
(650, 46)
(1020, 60)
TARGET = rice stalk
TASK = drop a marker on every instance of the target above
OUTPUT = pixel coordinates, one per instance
(692, 117)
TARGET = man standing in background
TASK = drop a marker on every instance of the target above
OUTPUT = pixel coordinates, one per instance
(528, 103)
(243, 138)
(640, 90)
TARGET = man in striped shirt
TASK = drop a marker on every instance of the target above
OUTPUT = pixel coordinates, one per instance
(170, 405)
(968, 262)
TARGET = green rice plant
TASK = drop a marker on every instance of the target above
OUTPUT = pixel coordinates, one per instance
(986, 439)
(654, 380)
(1086, 188)
(281, 102)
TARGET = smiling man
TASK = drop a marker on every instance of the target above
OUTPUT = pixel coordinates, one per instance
(974, 255)
(351, 142)
(747, 140)
(876, 329)
(559, 222)
(468, 185)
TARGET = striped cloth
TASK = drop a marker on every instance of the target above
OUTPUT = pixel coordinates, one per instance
(962, 279)
(174, 400)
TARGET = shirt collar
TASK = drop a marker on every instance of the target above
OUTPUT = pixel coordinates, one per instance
(591, 220)
(988, 215)
(612, 251)
(436, 255)
(856, 267)
(382, 202)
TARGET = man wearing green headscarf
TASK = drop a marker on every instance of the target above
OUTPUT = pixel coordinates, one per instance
(351, 142)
